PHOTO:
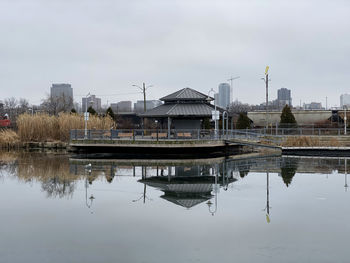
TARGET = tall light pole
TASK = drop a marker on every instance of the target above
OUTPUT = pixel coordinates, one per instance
(345, 119)
(143, 89)
(266, 80)
(212, 90)
(86, 117)
(231, 80)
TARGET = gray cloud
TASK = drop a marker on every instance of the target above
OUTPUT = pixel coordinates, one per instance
(106, 46)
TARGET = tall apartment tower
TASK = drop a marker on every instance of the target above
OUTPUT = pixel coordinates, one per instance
(61, 90)
(344, 100)
(62, 93)
(224, 95)
(284, 97)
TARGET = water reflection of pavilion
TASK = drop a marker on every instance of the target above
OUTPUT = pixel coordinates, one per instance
(187, 191)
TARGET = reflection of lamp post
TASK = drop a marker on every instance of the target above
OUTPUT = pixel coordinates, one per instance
(346, 175)
(91, 198)
(209, 203)
(144, 196)
(267, 208)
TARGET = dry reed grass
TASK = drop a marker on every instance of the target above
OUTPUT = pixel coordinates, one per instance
(8, 139)
(301, 141)
(309, 141)
(43, 127)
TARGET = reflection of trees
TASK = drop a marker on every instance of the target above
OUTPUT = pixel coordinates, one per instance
(244, 170)
(243, 173)
(288, 170)
(51, 170)
(58, 187)
(8, 163)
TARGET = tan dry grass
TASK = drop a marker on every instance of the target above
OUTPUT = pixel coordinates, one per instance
(308, 141)
(43, 127)
(8, 138)
(301, 141)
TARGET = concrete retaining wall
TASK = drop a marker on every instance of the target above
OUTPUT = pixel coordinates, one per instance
(302, 117)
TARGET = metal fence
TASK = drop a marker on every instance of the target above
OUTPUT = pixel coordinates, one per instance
(307, 131)
(268, 136)
(147, 134)
(174, 134)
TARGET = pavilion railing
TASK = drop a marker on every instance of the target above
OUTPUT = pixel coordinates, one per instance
(164, 134)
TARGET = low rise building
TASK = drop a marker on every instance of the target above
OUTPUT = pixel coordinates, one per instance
(344, 100)
(150, 104)
(91, 101)
(122, 106)
(313, 106)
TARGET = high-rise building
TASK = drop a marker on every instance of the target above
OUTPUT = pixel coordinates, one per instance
(345, 100)
(92, 101)
(61, 90)
(224, 95)
(284, 97)
(122, 106)
(150, 104)
(62, 95)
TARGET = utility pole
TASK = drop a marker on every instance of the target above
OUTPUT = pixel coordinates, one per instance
(266, 80)
(144, 96)
(143, 89)
(326, 103)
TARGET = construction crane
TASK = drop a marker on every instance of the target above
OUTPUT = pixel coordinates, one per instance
(231, 89)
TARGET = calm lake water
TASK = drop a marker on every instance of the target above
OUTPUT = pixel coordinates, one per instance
(56, 208)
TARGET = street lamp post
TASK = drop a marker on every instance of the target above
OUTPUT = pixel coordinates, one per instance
(266, 80)
(86, 115)
(345, 119)
(215, 115)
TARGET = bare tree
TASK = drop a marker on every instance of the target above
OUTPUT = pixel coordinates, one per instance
(10, 103)
(23, 105)
(54, 105)
(239, 107)
(10, 107)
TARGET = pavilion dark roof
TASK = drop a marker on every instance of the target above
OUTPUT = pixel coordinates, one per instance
(187, 94)
(181, 109)
(185, 102)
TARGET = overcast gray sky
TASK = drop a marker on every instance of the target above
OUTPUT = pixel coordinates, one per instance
(105, 46)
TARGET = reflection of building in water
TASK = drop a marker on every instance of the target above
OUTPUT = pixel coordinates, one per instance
(186, 192)
(188, 187)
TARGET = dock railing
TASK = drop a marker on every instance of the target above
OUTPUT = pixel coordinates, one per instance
(147, 134)
(174, 134)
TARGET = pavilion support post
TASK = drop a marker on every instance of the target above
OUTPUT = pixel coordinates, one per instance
(169, 124)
